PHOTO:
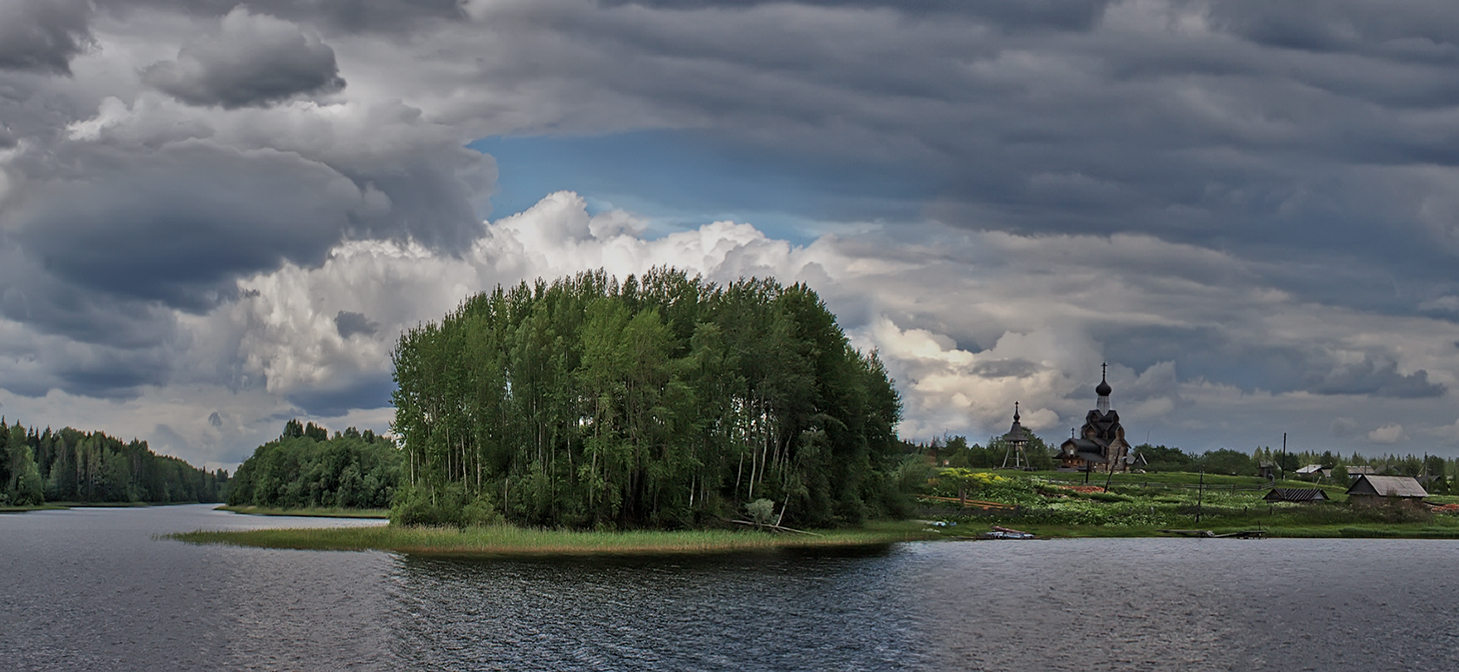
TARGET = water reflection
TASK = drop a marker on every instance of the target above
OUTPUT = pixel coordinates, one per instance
(94, 589)
(745, 613)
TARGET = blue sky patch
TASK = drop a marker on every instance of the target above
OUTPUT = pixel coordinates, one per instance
(684, 179)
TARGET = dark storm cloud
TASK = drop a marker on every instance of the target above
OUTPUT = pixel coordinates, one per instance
(1380, 379)
(367, 393)
(348, 324)
(1012, 14)
(32, 296)
(179, 224)
(43, 35)
(357, 16)
(255, 60)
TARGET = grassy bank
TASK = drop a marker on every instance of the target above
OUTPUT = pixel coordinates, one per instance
(308, 512)
(38, 507)
(1142, 505)
(58, 506)
(1440, 530)
(508, 541)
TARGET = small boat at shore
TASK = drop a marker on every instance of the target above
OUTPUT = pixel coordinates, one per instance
(1006, 533)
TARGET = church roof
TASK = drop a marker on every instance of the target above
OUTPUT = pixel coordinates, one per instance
(1017, 432)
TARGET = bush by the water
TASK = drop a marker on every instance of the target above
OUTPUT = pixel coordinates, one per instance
(447, 505)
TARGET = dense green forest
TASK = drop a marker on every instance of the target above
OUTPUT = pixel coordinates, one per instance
(664, 401)
(305, 467)
(74, 466)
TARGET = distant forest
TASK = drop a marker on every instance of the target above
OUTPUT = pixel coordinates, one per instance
(306, 467)
(661, 401)
(74, 466)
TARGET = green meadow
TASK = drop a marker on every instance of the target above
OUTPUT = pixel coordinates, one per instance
(1052, 504)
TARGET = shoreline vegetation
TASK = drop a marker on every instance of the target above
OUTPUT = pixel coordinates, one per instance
(1047, 504)
(63, 506)
(1050, 505)
(305, 512)
(511, 541)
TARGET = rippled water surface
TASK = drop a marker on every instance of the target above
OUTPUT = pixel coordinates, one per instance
(94, 589)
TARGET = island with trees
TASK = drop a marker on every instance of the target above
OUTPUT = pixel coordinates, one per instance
(659, 402)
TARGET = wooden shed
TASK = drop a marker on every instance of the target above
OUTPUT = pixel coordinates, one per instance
(1301, 495)
(1376, 489)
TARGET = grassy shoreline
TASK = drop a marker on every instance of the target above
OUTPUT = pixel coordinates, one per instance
(509, 541)
(1351, 530)
(63, 506)
(38, 507)
(306, 512)
(1051, 505)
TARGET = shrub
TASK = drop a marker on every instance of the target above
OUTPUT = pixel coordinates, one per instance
(448, 505)
(761, 511)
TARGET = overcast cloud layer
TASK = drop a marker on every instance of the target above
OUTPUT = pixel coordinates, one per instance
(217, 216)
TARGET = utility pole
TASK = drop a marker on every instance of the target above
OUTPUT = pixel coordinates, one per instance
(1283, 465)
(1200, 495)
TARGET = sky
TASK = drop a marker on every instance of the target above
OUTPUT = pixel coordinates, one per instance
(215, 217)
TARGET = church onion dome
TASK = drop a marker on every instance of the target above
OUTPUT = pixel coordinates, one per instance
(1104, 389)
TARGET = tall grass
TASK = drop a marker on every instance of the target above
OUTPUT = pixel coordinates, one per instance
(505, 540)
(311, 512)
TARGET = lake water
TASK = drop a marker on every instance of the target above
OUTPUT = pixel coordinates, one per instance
(93, 589)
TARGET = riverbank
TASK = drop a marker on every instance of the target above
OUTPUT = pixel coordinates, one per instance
(1051, 505)
(508, 541)
(61, 506)
(307, 512)
(38, 507)
(1441, 530)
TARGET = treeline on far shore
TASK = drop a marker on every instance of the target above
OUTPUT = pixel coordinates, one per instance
(70, 465)
(306, 468)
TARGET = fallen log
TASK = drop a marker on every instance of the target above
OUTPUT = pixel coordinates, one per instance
(767, 526)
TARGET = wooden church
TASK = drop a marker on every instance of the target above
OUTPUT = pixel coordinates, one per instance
(1099, 445)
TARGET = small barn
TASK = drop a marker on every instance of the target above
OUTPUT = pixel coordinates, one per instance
(1300, 495)
(1380, 489)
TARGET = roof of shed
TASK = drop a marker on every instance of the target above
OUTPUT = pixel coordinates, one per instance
(1295, 495)
(1387, 486)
